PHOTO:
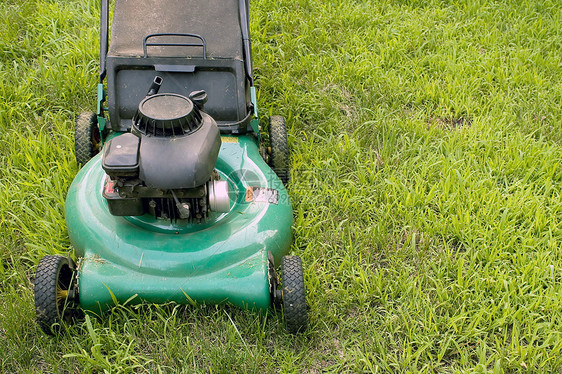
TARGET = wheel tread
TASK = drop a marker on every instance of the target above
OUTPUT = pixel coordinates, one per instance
(45, 286)
(295, 308)
(279, 148)
(84, 143)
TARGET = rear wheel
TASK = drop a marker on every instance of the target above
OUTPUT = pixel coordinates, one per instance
(279, 148)
(87, 140)
(55, 293)
(295, 308)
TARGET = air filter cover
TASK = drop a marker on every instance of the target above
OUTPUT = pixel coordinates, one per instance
(166, 115)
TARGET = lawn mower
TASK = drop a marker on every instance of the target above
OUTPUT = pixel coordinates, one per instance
(177, 200)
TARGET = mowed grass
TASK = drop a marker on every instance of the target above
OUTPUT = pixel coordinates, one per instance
(426, 141)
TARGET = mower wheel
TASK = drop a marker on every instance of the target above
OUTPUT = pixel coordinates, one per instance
(279, 148)
(295, 308)
(87, 139)
(55, 293)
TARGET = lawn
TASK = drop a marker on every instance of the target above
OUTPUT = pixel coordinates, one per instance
(426, 141)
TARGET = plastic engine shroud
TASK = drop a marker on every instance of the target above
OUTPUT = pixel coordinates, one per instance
(143, 258)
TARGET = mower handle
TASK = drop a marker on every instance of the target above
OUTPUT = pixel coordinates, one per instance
(145, 43)
(244, 6)
(244, 23)
(104, 38)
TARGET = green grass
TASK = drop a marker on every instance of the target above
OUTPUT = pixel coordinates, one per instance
(426, 142)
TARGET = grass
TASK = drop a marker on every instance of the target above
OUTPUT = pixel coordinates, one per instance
(426, 147)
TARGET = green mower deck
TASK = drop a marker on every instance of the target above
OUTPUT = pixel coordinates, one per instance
(145, 259)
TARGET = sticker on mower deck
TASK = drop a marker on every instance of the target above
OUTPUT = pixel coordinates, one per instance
(229, 139)
(262, 195)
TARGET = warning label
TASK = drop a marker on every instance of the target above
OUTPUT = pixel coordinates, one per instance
(262, 195)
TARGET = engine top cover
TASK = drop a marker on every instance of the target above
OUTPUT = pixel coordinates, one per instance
(166, 115)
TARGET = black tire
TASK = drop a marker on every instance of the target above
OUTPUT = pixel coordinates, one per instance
(295, 308)
(279, 148)
(87, 140)
(54, 293)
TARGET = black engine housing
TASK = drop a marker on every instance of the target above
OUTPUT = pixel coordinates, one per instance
(163, 166)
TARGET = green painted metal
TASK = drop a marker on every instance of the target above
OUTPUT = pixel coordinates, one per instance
(255, 122)
(254, 99)
(222, 260)
(101, 99)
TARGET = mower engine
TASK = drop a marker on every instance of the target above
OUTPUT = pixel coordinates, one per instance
(166, 165)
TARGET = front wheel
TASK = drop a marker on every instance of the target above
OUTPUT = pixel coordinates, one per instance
(294, 304)
(55, 293)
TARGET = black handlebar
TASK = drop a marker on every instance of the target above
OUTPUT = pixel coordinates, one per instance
(104, 37)
(245, 26)
(145, 43)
